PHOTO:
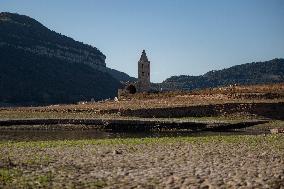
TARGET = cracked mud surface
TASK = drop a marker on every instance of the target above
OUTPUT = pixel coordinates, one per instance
(183, 162)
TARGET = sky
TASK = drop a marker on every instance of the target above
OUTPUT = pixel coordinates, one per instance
(181, 37)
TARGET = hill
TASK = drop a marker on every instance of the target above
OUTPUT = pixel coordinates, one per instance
(246, 74)
(39, 66)
(23, 32)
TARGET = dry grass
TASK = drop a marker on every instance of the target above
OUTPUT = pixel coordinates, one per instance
(234, 94)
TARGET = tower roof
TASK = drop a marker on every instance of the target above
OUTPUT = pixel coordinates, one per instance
(143, 57)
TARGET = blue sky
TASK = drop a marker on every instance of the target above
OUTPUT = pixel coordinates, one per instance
(187, 37)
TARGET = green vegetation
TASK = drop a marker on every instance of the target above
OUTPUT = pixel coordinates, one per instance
(28, 78)
(45, 115)
(246, 74)
(11, 178)
(247, 139)
(7, 175)
(26, 114)
(100, 163)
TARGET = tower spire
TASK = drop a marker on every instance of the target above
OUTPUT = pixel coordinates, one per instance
(143, 57)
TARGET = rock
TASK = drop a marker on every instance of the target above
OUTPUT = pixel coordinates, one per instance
(276, 131)
(116, 152)
(170, 180)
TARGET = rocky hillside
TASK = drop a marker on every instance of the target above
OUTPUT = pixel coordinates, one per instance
(246, 74)
(23, 32)
(39, 66)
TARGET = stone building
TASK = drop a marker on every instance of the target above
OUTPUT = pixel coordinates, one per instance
(143, 84)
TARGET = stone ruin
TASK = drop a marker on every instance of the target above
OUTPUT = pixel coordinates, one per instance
(143, 83)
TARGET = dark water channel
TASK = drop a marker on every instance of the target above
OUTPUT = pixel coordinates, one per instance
(43, 135)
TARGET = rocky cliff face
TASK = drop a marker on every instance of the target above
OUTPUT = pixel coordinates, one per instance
(39, 66)
(25, 33)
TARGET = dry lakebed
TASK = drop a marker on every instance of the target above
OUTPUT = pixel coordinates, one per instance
(235, 161)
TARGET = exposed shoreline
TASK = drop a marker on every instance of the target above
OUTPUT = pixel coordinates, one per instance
(225, 161)
(179, 162)
(134, 124)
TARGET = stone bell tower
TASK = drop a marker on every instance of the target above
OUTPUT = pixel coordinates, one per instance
(143, 73)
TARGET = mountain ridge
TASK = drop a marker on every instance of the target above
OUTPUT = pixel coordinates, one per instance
(40, 67)
(35, 37)
(265, 72)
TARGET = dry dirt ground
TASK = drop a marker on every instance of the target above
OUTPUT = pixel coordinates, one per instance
(256, 94)
(180, 162)
(186, 162)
